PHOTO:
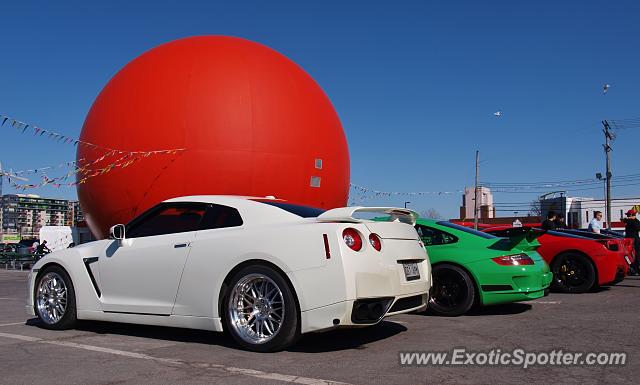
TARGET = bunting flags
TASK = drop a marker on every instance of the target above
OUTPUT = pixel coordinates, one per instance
(84, 170)
(361, 194)
(366, 190)
(38, 131)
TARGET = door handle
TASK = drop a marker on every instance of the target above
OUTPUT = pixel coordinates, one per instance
(179, 245)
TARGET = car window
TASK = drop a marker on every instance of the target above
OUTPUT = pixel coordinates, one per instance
(435, 237)
(466, 229)
(506, 233)
(167, 219)
(218, 216)
(302, 211)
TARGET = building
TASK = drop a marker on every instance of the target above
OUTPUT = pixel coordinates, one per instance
(22, 216)
(485, 204)
(578, 211)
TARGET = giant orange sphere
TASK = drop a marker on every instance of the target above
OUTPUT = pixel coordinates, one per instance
(250, 121)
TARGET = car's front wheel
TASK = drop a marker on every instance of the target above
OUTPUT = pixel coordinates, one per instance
(453, 292)
(54, 299)
(260, 310)
(573, 273)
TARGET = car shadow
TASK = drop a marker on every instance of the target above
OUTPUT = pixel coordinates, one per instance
(346, 339)
(505, 309)
(157, 332)
(334, 340)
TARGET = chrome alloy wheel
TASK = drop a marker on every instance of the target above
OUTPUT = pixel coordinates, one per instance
(51, 298)
(256, 308)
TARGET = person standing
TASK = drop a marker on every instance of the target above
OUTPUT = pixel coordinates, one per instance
(596, 223)
(559, 222)
(549, 223)
(632, 230)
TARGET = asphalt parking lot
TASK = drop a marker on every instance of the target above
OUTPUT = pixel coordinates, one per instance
(104, 353)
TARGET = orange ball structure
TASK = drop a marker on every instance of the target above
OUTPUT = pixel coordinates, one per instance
(250, 121)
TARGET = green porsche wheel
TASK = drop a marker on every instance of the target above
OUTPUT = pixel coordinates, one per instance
(453, 292)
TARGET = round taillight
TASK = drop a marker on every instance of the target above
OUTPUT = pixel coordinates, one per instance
(374, 239)
(352, 239)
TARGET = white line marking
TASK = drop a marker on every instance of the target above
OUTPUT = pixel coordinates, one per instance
(547, 302)
(11, 299)
(11, 324)
(230, 369)
(19, 337)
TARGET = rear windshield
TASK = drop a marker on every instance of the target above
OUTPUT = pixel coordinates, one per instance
(302, 211)
(465, 229)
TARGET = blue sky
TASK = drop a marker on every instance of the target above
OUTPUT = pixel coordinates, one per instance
(415, 83)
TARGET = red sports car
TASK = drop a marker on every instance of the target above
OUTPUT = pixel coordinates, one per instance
(578, 264)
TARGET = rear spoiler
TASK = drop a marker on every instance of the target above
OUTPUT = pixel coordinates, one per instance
(522, 238)
(345, 214)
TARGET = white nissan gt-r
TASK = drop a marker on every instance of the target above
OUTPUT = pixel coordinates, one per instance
(262, 270)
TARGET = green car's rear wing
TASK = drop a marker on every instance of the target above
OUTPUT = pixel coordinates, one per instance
(521, 238)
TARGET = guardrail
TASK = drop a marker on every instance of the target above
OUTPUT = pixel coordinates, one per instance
(18, 261)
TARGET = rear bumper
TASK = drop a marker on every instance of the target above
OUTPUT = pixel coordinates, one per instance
(504, 284)
(343, 314)
(373, 281)
(619, 277)
(611, 267)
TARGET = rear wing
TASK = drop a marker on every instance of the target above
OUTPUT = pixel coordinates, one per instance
(522, 238)
(346, 214)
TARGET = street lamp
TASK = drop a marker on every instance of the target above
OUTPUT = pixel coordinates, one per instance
(405, 204)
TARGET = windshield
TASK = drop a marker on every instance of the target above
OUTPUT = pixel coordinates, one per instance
(302, 211)
(466, 229)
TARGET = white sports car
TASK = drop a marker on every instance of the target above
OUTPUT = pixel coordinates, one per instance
(263, 270)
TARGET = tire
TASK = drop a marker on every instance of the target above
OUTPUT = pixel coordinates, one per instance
(259, 288)
(573, 273)
(453, 292)
(54, 299)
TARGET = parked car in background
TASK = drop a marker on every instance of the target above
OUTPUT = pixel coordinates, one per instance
(578, 264)
(475, 268)
(625, 243)
(16, 248)
(262, 270)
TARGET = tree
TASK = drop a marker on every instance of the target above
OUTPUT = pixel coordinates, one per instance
(431, 214)
(536, 208)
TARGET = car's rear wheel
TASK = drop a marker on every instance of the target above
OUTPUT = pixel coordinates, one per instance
(453, 292)
(54, 299)
(573, 273)
(260, 310)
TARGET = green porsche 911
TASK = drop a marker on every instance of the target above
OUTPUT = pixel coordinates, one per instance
(474, 268)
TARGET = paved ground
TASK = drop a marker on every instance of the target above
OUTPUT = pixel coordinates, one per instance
(103, 353)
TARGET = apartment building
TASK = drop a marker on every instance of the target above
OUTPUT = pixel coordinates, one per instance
(22, 215)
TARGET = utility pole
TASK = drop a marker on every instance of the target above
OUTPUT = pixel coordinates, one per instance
(475, 194)
(608, 137)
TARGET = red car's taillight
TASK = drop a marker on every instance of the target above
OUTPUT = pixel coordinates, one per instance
(513, 260)
(375, 241)
(352, 238)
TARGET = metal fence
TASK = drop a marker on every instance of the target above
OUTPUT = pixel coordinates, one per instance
(18, 261)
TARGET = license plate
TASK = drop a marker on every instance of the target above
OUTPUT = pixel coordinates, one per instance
(411, 271)
(627, 259)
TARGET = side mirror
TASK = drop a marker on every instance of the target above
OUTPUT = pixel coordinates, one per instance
(117, 232)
